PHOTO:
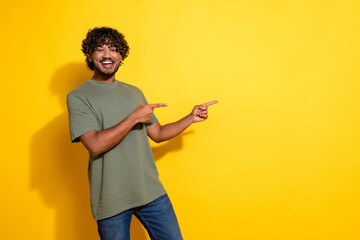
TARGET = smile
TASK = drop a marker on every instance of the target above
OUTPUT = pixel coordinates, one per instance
(107, 63)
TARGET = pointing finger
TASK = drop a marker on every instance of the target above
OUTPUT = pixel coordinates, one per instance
(156, 105)
(210, 103)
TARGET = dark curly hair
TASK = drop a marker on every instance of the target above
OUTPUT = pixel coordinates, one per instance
(104, 36)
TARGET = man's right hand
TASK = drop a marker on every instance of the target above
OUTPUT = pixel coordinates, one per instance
(143, 112)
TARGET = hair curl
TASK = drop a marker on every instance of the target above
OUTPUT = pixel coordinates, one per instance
(104, 36)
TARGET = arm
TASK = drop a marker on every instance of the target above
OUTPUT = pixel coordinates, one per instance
(160, 133)
(97, 142)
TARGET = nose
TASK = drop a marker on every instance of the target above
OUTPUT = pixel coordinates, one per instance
(107, 53)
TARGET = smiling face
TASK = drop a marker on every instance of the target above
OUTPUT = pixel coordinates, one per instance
(106, 60)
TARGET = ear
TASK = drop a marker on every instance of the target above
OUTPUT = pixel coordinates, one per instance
(89, 57)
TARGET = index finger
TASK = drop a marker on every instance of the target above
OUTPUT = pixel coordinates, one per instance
(156, 105)
(209, 103)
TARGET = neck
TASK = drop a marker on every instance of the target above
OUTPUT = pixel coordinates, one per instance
(103, 78)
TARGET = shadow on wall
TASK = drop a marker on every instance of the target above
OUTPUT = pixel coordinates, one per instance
(59, 167)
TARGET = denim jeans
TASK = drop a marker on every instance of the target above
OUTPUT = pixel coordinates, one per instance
(158, 218)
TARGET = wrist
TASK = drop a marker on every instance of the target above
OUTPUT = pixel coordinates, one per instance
(190, 118)
(133, 119)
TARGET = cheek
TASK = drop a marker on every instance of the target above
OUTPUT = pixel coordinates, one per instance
(118, 58)
(95, 56)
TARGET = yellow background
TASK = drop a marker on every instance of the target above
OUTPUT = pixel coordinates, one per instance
(278, 157)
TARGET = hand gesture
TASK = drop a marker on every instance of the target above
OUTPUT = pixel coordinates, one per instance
(144, 112)
(200, 113)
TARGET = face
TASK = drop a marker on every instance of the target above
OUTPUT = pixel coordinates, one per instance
(106, 60)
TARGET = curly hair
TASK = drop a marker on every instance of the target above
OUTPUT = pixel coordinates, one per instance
(104, 36)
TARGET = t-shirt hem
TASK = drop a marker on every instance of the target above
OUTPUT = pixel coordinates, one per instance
(133, 205)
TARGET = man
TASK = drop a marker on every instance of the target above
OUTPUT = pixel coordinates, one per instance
(113, 121)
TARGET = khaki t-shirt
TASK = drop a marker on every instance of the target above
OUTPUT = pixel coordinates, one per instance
(125, 176)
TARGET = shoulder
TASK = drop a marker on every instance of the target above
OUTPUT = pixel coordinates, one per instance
(85, 92)
(81, 89)
(131, 89)
(80, 94)
(129, 86)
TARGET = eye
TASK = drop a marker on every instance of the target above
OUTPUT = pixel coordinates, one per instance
(113, 49)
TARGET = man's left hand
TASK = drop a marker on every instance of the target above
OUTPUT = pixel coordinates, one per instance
(200, 113)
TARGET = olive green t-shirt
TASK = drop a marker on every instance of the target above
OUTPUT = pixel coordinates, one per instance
(125, 176)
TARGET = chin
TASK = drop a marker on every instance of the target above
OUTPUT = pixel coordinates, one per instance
(108, 73)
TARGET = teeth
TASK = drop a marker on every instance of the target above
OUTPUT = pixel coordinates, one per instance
(106, 62)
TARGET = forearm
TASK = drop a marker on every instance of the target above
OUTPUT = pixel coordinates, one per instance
(98, 142)
(171, 130)
(160, 133)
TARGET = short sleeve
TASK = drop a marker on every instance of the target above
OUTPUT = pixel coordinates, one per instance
(81, 118)
(153, 117)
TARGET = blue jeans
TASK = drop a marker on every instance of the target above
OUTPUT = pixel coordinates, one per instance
(158, 218)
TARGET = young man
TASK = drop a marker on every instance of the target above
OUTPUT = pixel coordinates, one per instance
(113, 121)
